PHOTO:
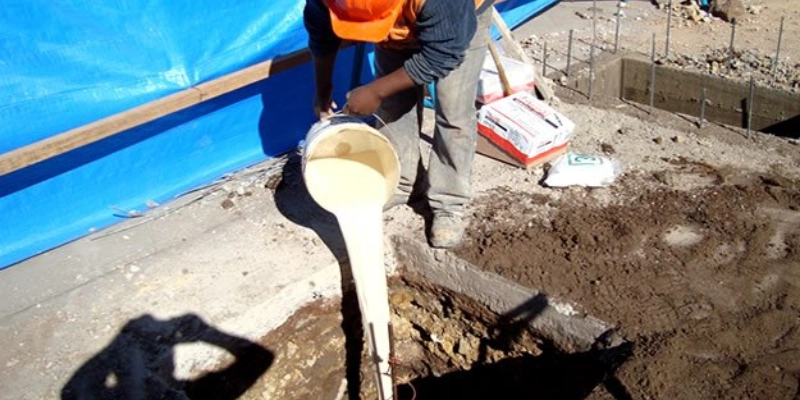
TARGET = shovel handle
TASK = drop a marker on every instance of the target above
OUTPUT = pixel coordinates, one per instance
(501, 71)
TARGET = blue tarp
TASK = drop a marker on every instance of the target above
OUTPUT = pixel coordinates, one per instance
(66, 63)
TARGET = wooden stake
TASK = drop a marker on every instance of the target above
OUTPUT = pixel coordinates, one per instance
(569, 51)
(542, 85)
(106, 127)
(501, 70)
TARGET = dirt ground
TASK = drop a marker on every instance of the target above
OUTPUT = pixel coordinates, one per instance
(704, 281)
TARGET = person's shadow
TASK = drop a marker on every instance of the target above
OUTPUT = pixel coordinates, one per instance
(139, 364)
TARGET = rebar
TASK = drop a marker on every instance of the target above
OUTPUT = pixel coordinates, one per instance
(616, 32)
(750, 99)
(376, 360)
(652, 72)
(703, 95)
(778, 51)
(591, 71)
(733, 36)
(392, 361)
(569, 51)
(594, 22)
(544, 61)
(669, 26)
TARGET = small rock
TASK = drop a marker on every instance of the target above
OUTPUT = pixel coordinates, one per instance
(728, 10)
(401, 299)
(607, 148)
(678, 139)
(754, 9)
(273, 182)
(581, 15)
(227, 204)
(658, 140)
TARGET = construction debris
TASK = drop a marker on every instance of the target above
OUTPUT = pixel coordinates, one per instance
(744, 63)
(728, 10)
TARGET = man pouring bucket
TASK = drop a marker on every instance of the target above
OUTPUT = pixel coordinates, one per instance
(417, 42)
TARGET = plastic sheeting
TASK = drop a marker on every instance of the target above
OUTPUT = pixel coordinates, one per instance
(66, 63)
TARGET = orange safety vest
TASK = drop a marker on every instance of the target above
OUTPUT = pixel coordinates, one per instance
(401, 36)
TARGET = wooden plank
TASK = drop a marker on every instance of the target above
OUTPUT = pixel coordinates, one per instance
(542, 84)
(106, 127)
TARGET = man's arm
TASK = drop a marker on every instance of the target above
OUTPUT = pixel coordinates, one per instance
(324, 45)
(444, 31)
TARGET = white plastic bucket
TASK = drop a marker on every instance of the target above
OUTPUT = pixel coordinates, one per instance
(350, 138)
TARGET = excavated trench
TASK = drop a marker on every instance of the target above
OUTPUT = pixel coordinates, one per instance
(459, 333)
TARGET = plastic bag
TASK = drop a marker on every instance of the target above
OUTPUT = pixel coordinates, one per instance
(582, 170)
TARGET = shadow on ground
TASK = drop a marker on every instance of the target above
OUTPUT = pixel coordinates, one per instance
(552, 375)
(139, 364)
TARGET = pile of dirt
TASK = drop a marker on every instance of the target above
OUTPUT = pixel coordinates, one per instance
(704, 282)
(740, 65)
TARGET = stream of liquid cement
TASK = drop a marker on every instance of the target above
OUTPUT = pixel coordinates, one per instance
(353, 188)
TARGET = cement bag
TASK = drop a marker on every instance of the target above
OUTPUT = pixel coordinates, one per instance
(582, 170)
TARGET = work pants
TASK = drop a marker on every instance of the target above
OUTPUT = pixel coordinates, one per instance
(448, 185)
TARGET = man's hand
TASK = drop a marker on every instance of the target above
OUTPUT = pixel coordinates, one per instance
(324, 108)
(363, 101)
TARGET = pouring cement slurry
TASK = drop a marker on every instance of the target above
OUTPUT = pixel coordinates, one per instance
(351, 170)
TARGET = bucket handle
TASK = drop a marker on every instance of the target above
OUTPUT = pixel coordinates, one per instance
(340, 113)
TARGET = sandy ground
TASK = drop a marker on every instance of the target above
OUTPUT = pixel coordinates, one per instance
(163, 299)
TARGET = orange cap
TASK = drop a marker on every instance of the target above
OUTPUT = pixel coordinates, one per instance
(364, 20)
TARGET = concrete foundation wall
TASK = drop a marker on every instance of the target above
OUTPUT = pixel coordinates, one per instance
(628, 77)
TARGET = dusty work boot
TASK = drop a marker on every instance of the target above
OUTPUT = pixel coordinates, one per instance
(447, 230)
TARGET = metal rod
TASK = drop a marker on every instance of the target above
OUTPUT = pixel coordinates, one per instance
(392, 360)
(544, 60)
(750, 99)
(703, 95)
(376, 360)
(616, 32)
(569, 50)
(591, 70)
(652, 72)
(669, 26)
(778, 52)
(594, 21)
(733, 36)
